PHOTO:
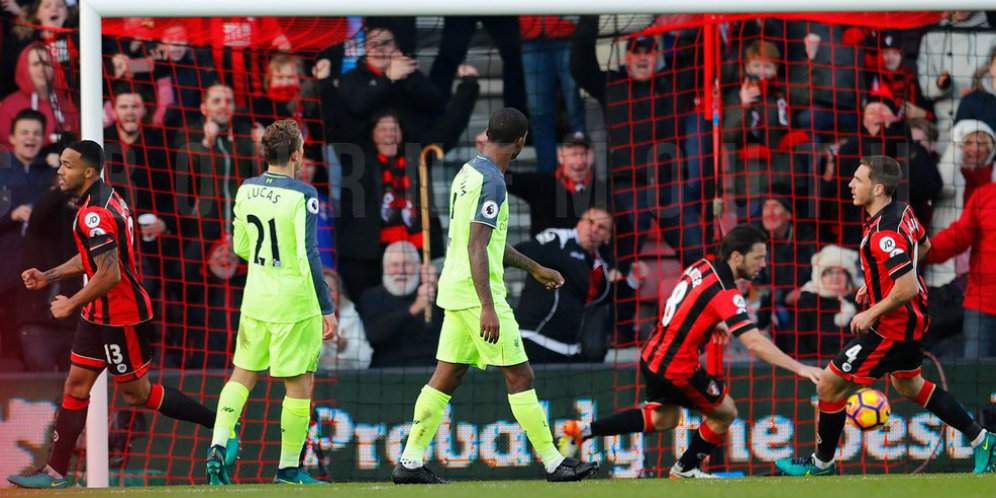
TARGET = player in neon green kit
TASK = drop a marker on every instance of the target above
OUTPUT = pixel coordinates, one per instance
(479, 328)
(286, 308)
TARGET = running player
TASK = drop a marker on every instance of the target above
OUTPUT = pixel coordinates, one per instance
(479, 328)
(705, 297)
(116, 326)
(286, 308)
(889, 331)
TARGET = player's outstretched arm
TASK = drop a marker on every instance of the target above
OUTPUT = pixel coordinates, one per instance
(35, 279)
(769, 352)
(551, 278)
(477, 247)
(108, 274)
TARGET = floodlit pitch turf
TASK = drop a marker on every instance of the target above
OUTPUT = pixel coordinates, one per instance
(899, 486)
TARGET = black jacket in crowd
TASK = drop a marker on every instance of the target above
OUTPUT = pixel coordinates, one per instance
(643, 118)
(559, 314)
(398, 338)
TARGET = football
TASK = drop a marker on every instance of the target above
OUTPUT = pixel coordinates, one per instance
(868, 409)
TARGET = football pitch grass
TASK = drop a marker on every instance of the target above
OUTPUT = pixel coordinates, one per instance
(878, 486)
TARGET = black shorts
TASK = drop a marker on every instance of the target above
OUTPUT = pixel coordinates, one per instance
(868, 357)
(125, 349)
(698, 391)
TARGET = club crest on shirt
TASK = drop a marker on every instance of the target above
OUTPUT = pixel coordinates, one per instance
(91, 220)
(489, 210)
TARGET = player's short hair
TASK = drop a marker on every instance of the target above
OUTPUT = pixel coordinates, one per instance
(91, 153)
(507, 125)
(28, 115)
(280, 140)
(885, 171)
(741, 238)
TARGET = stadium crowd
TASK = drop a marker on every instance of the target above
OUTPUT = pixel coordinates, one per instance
(800, 103)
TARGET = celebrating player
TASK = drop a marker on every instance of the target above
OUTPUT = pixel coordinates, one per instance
(286, 308)
(889, 331)
(705, 296)
(479, 328)
(115, 328)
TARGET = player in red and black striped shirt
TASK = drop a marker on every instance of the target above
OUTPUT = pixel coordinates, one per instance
(115, 330)
(889, 331)
(705, 297)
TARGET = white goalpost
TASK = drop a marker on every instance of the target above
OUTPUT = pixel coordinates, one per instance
(91, 13)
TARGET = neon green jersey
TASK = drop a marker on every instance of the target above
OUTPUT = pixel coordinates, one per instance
(477, 196)
(276, 231)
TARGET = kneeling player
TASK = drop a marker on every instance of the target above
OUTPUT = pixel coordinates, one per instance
(705, 295)
(889, 332)
(115, 329)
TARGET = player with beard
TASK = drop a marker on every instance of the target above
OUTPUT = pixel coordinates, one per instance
(479, 327)
(888, 333)
(116, 317)
(394, 312)
(706, 297)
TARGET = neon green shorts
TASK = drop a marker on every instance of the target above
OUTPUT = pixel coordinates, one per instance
(287, 349)
(460, 339)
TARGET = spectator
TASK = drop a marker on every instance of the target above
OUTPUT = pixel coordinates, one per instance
(881, 132)
(39, 89)
(825, 307)
(213, 158)
(824, 71)
(643, 108)
(552, 324)
(24, 179)
(179, 72)
(239, 47)
(44, 22)
(792, 244)
(380, 201)
(393, 313)
(950, 55)
(757, 112)
(546, 56)
(48, 242)
(287, 95)
(966, 165)
(138, 168)
(386, 78)
(561, 199)
(924, 179)
(504, 31)
(757, 125)
(351, 350)
(980, 103)
(975, 230)
(888, 78)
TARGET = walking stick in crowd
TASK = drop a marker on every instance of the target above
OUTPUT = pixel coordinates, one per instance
(423, 187)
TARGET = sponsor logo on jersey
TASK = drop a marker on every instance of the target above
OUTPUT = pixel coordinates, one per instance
(91, 220)
(887, 244)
